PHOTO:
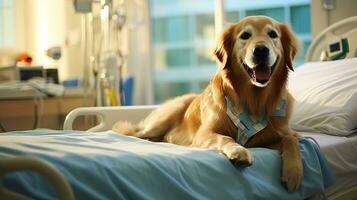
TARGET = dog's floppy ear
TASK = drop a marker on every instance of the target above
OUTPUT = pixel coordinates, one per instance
(290, 45)
(224, 47)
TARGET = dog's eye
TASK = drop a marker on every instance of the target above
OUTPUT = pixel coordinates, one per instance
(245, 35)
(272, 34)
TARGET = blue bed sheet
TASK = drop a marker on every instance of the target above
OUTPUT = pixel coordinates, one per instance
(108, 165)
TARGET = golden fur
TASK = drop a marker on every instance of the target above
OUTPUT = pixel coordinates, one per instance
(201, 120)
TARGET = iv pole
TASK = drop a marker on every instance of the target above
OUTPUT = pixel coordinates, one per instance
(108, 80)
(85, 8)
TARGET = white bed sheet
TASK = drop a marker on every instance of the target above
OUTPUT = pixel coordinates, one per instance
(341, 153)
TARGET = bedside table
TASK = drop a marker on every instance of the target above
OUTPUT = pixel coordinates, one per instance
(25, 111)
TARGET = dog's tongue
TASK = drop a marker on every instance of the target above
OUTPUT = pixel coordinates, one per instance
(262, 74)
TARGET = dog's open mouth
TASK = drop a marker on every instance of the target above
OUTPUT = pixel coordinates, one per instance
(260, 73)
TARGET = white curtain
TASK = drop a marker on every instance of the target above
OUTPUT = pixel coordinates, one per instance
(137, 45)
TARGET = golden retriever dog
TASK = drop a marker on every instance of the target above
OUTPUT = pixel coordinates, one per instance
(238, 109)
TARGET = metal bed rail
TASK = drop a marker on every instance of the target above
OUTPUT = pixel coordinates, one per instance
(21, 163)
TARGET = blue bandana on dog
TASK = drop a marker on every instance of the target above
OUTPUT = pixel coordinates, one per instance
(249, 125)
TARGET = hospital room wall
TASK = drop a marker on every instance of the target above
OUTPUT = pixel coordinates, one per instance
(41, 24)
(322, 18)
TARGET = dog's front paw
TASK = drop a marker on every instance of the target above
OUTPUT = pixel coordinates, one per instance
(292, 175)
(238, 154)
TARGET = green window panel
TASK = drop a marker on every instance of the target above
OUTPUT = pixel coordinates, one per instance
(158, 30)
(204, 26)
(300, 18)
(232, 16)
(171, 29)
(166, 90)
(180, 57)
(172, 57)
(275, 13)
(177, 29)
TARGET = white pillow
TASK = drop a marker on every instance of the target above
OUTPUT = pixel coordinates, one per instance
(325, 97)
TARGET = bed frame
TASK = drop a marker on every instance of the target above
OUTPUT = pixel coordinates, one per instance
(11, 164)
(107, 116)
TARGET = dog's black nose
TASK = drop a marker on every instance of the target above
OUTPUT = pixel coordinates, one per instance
(261, 53)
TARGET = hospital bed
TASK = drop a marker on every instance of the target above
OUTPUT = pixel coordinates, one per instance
(101, 164)
(106, 165)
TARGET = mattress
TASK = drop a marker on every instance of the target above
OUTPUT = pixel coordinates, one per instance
(107, 165)
(341, 153)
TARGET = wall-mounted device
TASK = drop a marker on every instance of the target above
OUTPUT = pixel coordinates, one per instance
(16, 73)
(335, 50)
(26, 73)
(338, 49)
(338, 41)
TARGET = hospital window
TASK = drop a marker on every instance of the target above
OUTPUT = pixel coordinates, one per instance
(183, 38)
(7, 24)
